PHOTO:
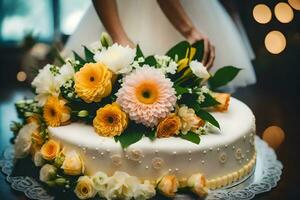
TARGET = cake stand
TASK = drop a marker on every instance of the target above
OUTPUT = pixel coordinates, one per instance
(265, 177)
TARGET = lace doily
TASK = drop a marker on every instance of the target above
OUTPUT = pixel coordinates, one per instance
(267, 173)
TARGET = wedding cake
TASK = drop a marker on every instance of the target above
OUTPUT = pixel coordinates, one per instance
(121, 125)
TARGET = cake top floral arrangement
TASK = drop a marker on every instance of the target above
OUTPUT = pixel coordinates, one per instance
(126, 95)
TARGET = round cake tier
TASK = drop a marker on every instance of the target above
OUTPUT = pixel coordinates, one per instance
(223, 156)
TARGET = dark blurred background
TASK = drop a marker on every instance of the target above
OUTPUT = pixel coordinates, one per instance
(31, 30)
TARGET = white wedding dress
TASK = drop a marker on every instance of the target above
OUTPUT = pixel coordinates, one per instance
(145, 23)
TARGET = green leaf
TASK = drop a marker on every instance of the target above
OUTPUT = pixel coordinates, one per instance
(131, 135)
(209, 101)
(150, 60)
(199, 45)
(139, 52)
(206, 116)
(56, 54)
(181, 90)
(179, 50)
(78, 58)
(190, 136)
(190, 100)
(89, 56)
(223, 76)
(151, 135)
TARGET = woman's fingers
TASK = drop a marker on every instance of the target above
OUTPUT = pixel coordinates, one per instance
(212, 55)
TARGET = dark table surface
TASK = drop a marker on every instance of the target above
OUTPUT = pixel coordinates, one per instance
(270, 108)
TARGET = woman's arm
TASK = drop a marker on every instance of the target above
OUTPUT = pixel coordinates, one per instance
(181, 21)
(108, 13)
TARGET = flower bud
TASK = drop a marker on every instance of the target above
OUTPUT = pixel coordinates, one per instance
(83, 113)
(61, 181)
(105, 39)
(47, 173)
(58, 161)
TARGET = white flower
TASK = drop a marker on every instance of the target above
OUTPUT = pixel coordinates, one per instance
(45, 85)
(166, 64)
(47, 173)
(23, 141)
(85, 188)
(144, 191)
(199, 70)
(38, 159)
(117, 58)
(189, 120)
(72, 164)
(66, 72)
(95, 46)
(100, 179)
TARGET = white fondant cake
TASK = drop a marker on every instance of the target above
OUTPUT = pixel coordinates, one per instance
(223, 156)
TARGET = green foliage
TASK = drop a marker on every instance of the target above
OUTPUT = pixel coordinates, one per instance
(89, 56)
(223, 76)
(139, 52)
(199, 45)
(192, 137)
(209, 101)
(207, 117)
(131, 135)
(150, 60)
(179, 49)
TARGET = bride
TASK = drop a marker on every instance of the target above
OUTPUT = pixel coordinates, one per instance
(158, 25)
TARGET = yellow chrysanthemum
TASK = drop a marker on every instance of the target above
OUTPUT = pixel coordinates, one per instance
(93, 82)
(110, 120)
(56, 112)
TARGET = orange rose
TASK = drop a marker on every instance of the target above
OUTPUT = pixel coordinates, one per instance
(50, 150)
(169, 126)
(223, 99)
(168, 185)
(197, 183)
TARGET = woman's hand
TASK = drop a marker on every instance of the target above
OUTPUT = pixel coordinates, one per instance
(193, 36)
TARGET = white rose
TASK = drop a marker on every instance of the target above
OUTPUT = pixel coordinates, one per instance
(38, 159)
(144, 191)
(72, 164)
(47, 173)
(85, 188)
(95, 46)
(66, 72)
(45, 85)
(119, 187)
(199, 70)
(117, 58)
(23, 140)
(100, 179)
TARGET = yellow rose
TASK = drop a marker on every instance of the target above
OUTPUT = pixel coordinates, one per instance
(168, 185)
(197, 183)
(223, 99)
(169, 126)
(55, 111)
(110, 120)
(84, 188)
(50, 150)
(93, 82)
(72, 164)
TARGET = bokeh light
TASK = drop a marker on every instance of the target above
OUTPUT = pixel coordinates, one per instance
(275, 42)
(283, 12)
(295, 4)
(262, 13)
(21, 76)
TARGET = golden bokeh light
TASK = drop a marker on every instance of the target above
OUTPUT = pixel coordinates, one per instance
(274, 136)
(262, 13)
(275, 42)
(283, 12)
(295, 4)
(21, 76)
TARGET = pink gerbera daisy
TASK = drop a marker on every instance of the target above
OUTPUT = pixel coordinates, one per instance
(147, 96)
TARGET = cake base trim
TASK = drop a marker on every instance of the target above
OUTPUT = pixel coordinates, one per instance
(233, 177)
